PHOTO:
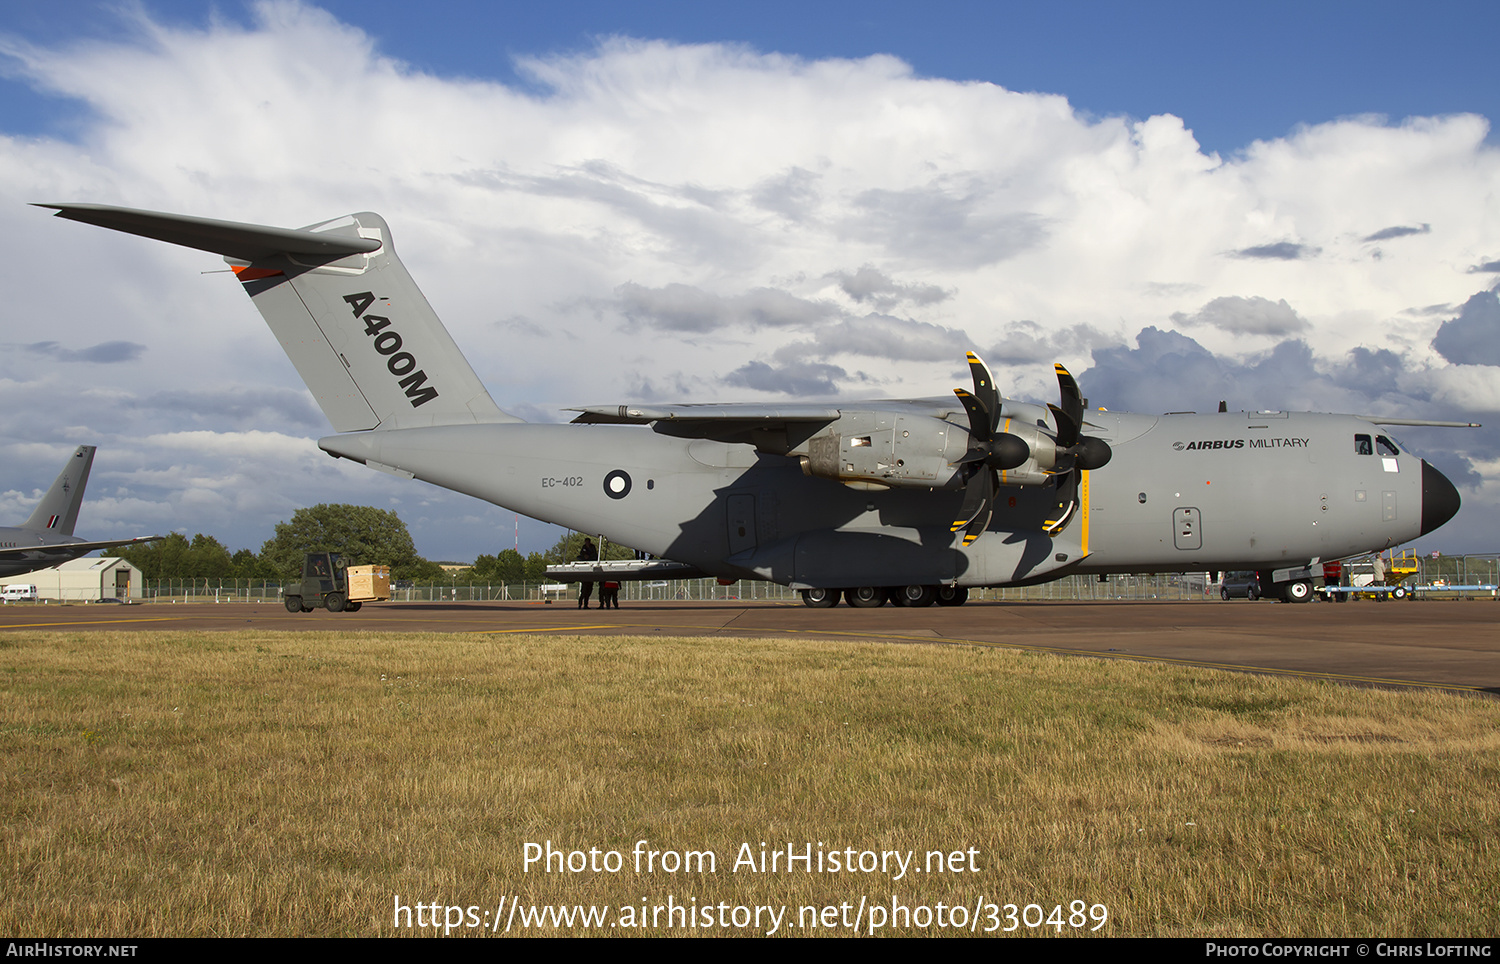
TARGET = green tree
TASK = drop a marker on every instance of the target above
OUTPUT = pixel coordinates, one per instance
(566, 549)
(508, 566)
(365, 535)
(175, 557)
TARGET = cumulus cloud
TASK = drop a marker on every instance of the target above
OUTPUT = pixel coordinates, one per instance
(881, 336)
(104, 353)
(678, 307)
(935, 224)
(798, 379)
(870, 285)
(1473, 338)
(1028, 343)
(1280, 251)
(1398, 231)
(1246, 316)
(642, 209)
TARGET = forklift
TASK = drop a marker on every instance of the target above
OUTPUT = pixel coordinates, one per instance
(329, 583)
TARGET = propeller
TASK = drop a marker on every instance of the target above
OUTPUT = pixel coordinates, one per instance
(1074, 449)
(992, 451)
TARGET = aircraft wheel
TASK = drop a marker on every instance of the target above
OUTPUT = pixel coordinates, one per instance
(334, 601)
(865, 597)
(352, 607)
(293, 604)
(916, 596)
(1299, 591)
(1224, 594)
(820, 598)
(952, 595)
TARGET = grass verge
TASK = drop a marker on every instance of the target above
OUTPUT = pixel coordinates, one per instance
(311, 784)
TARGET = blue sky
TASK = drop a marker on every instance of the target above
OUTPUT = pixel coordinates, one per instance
(1299, 205)
(1234, 72)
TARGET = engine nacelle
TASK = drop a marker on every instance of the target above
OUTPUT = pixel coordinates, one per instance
(880, 450)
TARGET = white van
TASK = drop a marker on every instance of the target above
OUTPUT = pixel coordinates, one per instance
(17, 592)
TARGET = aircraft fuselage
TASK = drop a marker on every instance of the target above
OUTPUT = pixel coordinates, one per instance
(1182, 493)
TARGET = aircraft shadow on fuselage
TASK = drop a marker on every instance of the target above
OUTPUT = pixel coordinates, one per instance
(774, 522)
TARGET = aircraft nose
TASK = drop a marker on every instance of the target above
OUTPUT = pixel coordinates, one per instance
(1439, 498)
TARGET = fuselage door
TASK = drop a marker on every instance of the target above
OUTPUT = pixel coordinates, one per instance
(1185, 529)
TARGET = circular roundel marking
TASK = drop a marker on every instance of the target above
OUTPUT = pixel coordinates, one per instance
(617, 484)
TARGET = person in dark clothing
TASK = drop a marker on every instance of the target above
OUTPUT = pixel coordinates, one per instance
(609, 595)
(587, 553)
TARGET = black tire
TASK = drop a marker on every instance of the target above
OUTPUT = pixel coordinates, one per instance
(293, 604)
(1252, 594)
(1400, 592)
(352, 607)
(916, 596)
(820, 598)
(952, 595)
(865, 597)
(1298, 592)
(1224, 594)
(334, 602)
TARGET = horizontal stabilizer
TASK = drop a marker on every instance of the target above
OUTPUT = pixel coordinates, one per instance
(349, 316)
(232, 239)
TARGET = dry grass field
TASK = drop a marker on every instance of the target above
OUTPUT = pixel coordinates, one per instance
(314, 784)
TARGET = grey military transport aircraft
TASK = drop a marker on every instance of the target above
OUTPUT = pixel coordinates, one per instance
(46, 539)
(911, 500)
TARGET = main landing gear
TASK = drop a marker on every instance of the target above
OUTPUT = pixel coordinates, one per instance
(869, 597)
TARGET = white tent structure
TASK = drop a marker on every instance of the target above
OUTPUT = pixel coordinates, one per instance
(84, 580)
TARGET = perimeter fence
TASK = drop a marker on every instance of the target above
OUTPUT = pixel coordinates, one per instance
(1467, 576)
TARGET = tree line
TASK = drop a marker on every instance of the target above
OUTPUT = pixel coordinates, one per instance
(363, 534)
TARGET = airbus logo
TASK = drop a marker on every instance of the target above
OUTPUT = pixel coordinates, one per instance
(1239, 443)
(1218, 443)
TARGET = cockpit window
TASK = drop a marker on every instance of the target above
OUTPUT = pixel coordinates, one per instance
(1386, 446)
(1362, 445)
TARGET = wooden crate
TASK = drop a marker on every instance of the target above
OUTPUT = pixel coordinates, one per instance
(369, 583)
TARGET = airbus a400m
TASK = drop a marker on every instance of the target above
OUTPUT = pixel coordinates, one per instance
(914, 500)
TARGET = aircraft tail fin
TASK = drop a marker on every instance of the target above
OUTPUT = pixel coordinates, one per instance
(345, 310)
(57, 513)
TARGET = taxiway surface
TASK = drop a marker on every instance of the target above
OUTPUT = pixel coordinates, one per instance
(1451, 644)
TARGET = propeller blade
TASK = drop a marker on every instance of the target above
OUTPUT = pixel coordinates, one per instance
(979, 493)
(978, 504)
(1067, 428)
(1072, 398)
(985, 391)
(979, 417)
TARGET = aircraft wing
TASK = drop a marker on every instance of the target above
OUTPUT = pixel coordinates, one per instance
(1386, 420)
(722, 423)
(19, 552)
(760, 416)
